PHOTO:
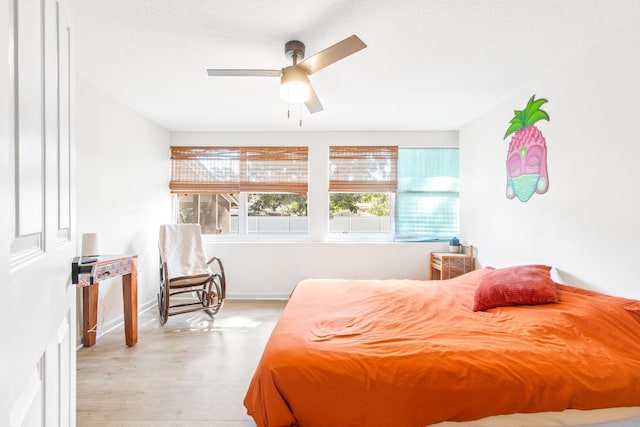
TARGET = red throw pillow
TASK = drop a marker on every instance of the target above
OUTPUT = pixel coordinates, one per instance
(518, 285)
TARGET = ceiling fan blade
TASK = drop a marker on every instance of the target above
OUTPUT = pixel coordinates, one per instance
(332, 54)
(313, 103)
(243, 73)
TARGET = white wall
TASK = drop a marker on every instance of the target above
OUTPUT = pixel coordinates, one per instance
(122, 190)
(270, 269)
(586, 224)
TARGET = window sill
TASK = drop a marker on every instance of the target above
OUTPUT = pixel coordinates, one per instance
(357, 237)
(258, 238)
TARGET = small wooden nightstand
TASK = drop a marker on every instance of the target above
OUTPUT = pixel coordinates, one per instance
(446, 265)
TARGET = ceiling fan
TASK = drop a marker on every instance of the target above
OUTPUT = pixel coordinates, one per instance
(295, 86)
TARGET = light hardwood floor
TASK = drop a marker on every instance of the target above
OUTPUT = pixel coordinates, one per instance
(194, 371)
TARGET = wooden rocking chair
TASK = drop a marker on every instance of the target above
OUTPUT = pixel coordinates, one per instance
(184, 271)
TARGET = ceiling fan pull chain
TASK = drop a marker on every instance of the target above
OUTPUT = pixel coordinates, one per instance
(300, 113)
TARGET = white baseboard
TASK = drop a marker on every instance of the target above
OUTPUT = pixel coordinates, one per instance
(238, 296)
(153, 305)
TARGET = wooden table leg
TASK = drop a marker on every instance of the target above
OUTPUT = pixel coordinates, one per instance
(89, 314)
(130, 301)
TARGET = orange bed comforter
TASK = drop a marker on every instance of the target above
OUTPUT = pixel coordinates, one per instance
(412, 353)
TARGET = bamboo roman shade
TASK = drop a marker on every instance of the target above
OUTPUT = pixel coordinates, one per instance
(235, 169)
(205, 170)
(359, 169)
(275, 169)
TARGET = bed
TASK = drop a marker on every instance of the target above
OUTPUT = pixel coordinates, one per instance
(415, 353)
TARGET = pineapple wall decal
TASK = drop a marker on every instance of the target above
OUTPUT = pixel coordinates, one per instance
(527, 156)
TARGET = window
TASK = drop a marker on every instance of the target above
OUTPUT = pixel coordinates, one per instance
(241, 190)
(362, 181)
(277, 213)
(374, 192)
(427, 200)
(366, 213)
(216, 213)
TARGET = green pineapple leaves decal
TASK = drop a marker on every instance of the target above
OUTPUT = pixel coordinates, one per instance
(527, 117)
(527, 156)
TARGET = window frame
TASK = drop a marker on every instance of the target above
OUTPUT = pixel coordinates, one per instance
(404, 239)
(318, 205)
(351, 170)
(287, 166)
(364, 237)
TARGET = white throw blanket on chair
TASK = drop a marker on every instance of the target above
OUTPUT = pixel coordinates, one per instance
(181, 248)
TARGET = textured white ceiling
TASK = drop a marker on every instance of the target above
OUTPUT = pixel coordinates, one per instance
(429, 64)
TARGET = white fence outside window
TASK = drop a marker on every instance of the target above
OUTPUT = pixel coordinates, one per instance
(299, 224)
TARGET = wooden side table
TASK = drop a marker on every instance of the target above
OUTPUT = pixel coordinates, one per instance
(87, 275)
(446, 265)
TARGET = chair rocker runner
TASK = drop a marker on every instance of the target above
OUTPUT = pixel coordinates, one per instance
(188, 282)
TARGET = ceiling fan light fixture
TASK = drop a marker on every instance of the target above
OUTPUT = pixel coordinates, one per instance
(294, 85)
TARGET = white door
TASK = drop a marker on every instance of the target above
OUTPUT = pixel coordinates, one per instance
(37, 299)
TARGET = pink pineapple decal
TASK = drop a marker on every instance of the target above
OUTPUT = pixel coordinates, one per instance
(527, 156)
